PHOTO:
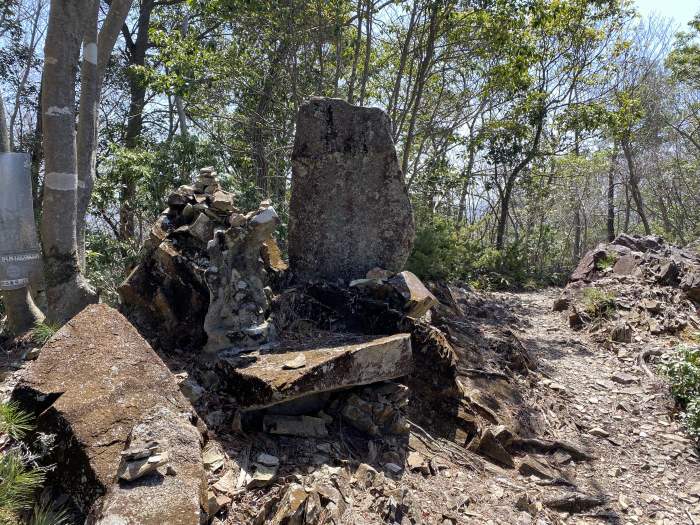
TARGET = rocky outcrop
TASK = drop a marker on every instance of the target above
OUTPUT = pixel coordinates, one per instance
(349, 209)
(100, 388)
(634, 285)
(648, 259)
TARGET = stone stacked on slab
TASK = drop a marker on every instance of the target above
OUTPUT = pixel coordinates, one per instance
(101, 389)
(349, 209)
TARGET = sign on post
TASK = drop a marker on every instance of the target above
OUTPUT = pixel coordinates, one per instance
(19, 246)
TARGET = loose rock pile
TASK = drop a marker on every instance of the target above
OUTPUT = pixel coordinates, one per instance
(634, 284)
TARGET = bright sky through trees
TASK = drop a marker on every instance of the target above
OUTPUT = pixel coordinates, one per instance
(680, 10)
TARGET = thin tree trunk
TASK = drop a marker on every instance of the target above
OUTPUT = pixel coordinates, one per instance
(338, 49)
(503, 212)
(37, 156)
(97, 50)
(33, 41)
(67, 290)
(394, 100)
(179, 103)
(4, 131)
(634, 186)
(356, 54)
(422, 77)
(611, 195)
(368, 52)
(134, 126)
(505, 201)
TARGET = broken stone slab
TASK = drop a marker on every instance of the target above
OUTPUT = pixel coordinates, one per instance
(418, 298)
(621, 332)
(349, 210)
(259, 379)
(488, 445)
(99, 387)
(624, 378)
(690, 283)
(531, 466)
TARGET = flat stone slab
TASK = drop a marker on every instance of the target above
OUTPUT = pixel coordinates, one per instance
(259, 380)
(100, 387)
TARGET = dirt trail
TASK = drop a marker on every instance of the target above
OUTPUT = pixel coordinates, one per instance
(645, 466)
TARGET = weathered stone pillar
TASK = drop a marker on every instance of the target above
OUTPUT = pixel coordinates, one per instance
(349, 209)
(19, 247)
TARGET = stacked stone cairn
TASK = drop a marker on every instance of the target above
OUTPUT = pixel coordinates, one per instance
(203, 246)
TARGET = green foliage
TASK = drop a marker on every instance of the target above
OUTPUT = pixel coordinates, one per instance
(45, 512)
(42, 332)
(607, 262)
(683, 373)
(107, 260)
(13, 421)
(443, 251)
(598, 303)
(18, 484)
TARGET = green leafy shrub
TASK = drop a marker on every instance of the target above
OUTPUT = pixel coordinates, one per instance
(607, 262)
(444, 251)
(598, 303)
(683, 373)
(47, 513)
(18, 484)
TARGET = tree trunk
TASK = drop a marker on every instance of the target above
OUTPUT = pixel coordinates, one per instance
(31, 50)
(134, 126)
(611, 195)
(394, 99)
(4, 131)
(97, 51)
(356, 54)
(179, 103)
(634, 186)
(421, 79)
(505, 201)
(67, 290)
(503, 212)
(368, 53)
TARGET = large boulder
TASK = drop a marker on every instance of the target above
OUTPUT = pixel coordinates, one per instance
(349, 209)
(100, 388)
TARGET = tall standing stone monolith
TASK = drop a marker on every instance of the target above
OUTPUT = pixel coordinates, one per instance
(349, 209)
